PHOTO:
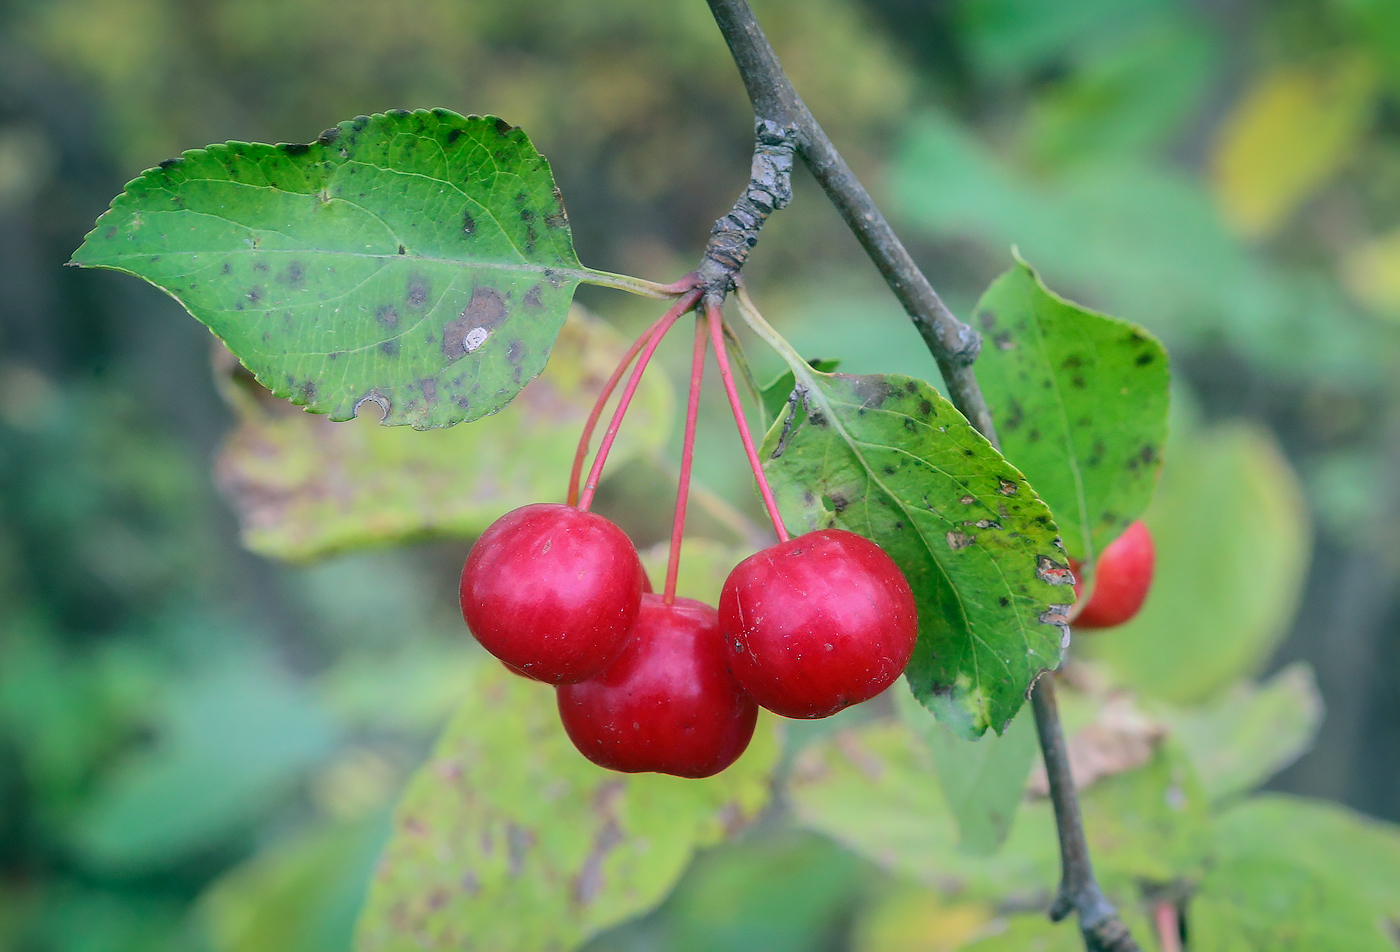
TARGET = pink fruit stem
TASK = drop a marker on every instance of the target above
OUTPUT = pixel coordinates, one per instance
(684, 284)
(582, 453)
(692, 412)
(1168, 928)
(683, 304)
(715, 319)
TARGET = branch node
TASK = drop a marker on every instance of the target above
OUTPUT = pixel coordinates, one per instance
(769, 189)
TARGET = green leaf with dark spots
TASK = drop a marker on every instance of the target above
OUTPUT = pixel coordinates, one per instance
(508, 839)
(418, 261)
(778, 393)
(1080, 403)
(888, 458)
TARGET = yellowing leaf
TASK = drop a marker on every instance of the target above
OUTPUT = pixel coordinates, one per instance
(1372, 273)
(305, 487)
(508, 839)
(1288, 134)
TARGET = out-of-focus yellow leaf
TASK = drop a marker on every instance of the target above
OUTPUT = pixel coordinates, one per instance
(1372, 273)
(305, 487)
(1287, 135)
(914, 918)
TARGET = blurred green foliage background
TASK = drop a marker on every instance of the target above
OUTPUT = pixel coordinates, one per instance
(192, 735)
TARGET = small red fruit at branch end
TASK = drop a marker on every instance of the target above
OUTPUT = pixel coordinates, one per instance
(817, 623)
(552, 591)
(668, 704)
(1122, 578)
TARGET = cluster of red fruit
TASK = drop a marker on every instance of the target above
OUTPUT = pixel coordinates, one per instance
(653, 682)
(804, 628)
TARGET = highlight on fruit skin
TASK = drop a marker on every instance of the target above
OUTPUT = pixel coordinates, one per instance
(552, 591)
(1122, 579)
(818, 623)
(668, 704)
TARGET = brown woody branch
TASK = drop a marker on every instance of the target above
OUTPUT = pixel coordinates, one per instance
(785, 125)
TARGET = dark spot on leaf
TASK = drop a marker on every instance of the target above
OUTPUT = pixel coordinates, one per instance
(1015, 415)
(959, 540)
(967, 452)
(111, 232)
(387, 315)
(527, 214)
(898, 526)
(888, 470)
(255, 293)
(555, 279)
(1004, 602)
(485, 312)
(417, 291)
(1004, 341)
(1006, 487)
(1072, 361)
(988, 318)
(1033, 436)
(359, 123)
(522, 197)
(1077, 381)
(502, 127)
(429, 387)
(1148, 455)
(532, 297)
(516, 353)
(909, 424)
(226, 268)
(308, 391)
(816, 418)
(260, 266)
(836, 502)
(911, 387)
(468, 224)
(925, 408)
(518, 842)
(295, 148)
(453, 135)
(1144, 359)
(402, 250)
(294, 275)
(396, 113)
(171, 163)
(329, 136)
(556, 220)
(389, 348)
(530, 239)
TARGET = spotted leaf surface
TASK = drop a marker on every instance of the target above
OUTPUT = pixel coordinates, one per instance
(418, 261)
(508, 839)
(1080, 402)
(887, 457)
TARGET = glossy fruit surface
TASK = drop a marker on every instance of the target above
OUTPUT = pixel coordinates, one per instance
(817, 623)
(1121, 580)
(668, 704)
(552, 591)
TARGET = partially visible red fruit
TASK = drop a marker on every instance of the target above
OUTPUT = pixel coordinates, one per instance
(817, 623)
(1122, 578)
(668, 704)
(552, 591)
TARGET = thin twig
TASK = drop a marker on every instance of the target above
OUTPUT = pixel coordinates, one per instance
(954, 345)
(778, 110)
